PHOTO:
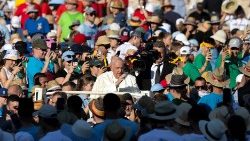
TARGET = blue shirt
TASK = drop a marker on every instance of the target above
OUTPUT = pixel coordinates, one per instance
(34, 66)
(211, 100)
(33, 130)
(90, 31)
(100, 128)
(40, 25)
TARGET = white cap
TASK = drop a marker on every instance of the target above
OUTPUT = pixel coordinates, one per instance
(185, 50)
(15, 22)
(178, 21)
(182, 38)
(52, 33)
(149, 7)
(11, 54)
(115, 27)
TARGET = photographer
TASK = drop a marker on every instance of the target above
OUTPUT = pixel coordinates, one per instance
(157, 67)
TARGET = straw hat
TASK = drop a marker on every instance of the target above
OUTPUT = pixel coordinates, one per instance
(116, 4)
(134, 21)
(182, 114)
(96, 107)
(229, 6)
(176, 71)
(53, 86)
(246, 69)
(154, 19)
(214, 130)
(220, 36)
(113, 34)
(190, 21)
(216, 78)
(102, 40)
(204, 27)
(164, 110)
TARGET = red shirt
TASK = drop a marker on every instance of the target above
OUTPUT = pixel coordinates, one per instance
(138, 13)
(100, 8)
(45, 9)
(21, 11)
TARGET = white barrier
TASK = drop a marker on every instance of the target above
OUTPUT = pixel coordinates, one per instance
(97, 94)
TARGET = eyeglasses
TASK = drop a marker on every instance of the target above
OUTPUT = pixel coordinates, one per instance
(234, 48)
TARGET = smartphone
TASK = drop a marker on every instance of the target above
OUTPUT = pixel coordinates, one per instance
(38, 94)
(53, 46)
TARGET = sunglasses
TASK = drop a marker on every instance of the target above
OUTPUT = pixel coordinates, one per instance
(234, 48)
(69, 56)
(92, 14)
(70, 62)
(200, 87)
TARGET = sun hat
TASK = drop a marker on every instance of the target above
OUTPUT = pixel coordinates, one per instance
(154, 19)
(156, 88)
(220, 36)
(96, 107)
(229, 6)
(243, 112)
(115, 27)
(68, 55)
(53, 86)
(79, 131)
(164, 110)
(214, 130)
(31, 9)
(23, 136)
(185, 50)
(145, 105)
(134, 21)
(39, 43)
(74, 23)
(220, 113)
(102, 40)
(47, 111)
(118, 4)
(113, 34)
(11, 54)
(217, 78)
(5, 136)
(246, 69)
(235, 42)
(177, 79)
(15, 22)
(190, 21)
(179, 21)
(214, 19)
(182, 114)
(182, 38)
(119, 134)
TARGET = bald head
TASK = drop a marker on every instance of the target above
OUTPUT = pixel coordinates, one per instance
(117, 66)
(15, 90)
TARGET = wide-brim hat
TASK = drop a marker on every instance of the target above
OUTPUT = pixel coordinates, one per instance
(11, 55)
(220, 113)
(243, 112)
(176, 71)
(229, 6)
(113, 34)
(214, 19)
(182, 114)
(164, 111)
(220, 36)
(96, 107)
(134, 21)
(190, 21)
(53, 86)
(114, 131)
(214, 130)
(154, 19)
(118, 4)
(102, 40)
(178, 81)
(245, 69)
(217, 78)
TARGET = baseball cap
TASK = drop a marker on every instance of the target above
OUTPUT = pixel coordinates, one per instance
(3, 92)
(185, 50)
(235, 42)
(39, 43)
(89, 10)
(47, 111)
(95, 62)
(79, 38)
(115, 27)
(156, 88)
(182, 38)
(136, 33)
(11, 54)
(68, 55)
(76, 48)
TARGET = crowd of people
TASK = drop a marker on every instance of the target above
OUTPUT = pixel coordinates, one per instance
(57, 57)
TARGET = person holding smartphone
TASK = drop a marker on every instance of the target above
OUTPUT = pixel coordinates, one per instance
(202, 60)
(67, 73)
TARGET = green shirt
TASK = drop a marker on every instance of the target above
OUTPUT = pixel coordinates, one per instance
(191, 71)
(232, 68)
(200, 60)
(66, 20)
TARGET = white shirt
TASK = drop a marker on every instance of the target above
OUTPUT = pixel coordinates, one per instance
(153, 72)
(160, 135)
(124, 48)
(106, 83)
(241, 24)
(110, 54)
(55, 136)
